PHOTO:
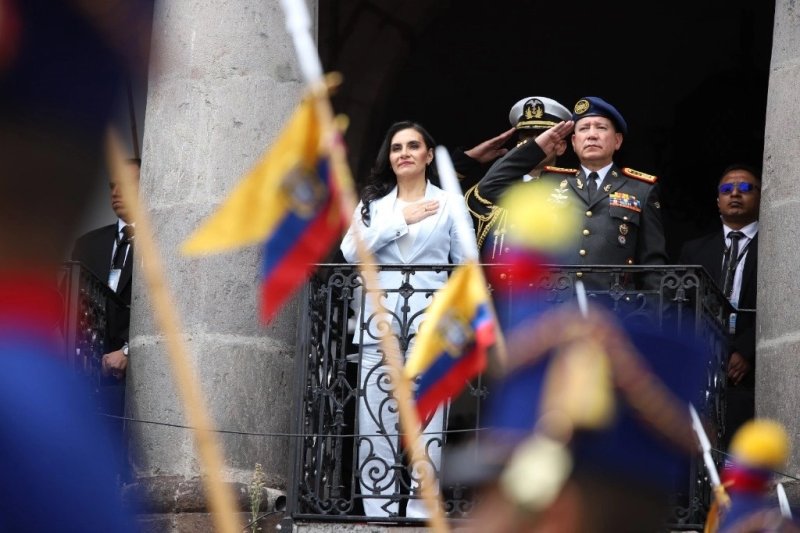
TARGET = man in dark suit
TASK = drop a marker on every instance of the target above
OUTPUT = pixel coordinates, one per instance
(730, 256)
(108, 253)
(619, 207)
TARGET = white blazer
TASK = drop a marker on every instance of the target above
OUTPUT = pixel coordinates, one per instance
(438, 242)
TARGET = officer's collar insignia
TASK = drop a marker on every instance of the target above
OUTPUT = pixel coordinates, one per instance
(614, 173)
(581, 106)
(533, 108)
(580, 183)
(607, 187)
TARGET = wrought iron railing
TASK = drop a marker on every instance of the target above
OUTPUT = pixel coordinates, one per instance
(335, 472)
(87, 302)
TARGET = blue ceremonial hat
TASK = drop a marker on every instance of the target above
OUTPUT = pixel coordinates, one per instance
(593, 106)
(643, 437)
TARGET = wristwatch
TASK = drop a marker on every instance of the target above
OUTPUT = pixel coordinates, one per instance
(125, 349)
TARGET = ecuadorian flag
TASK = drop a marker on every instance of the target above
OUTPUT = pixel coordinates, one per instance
(452, 342)
(288, 202)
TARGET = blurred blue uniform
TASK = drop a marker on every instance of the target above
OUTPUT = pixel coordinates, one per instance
(63, 65)
(58, 467)
(626, 465)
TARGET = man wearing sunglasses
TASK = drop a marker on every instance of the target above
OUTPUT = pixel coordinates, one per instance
(730, 257)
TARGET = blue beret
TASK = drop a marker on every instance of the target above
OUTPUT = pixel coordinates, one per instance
(593, 106)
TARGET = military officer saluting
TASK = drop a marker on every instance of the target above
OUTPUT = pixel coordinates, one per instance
(619, 206)
(530, 117)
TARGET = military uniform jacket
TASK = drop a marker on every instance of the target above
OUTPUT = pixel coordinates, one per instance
(621, 225)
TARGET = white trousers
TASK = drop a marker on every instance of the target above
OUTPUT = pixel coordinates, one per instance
(380, 464)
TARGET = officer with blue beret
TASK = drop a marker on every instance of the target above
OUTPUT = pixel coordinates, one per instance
(529, 116)
(620, 207)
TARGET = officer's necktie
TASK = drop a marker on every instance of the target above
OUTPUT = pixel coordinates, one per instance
(730, 261)
(122, 247)
(591, 183)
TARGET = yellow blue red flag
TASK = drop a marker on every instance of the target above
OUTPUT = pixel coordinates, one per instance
(288, 202)
(451, 344)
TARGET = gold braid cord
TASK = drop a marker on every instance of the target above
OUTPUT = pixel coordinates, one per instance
(494, 217)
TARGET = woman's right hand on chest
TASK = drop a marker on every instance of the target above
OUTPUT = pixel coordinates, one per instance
(421, 210)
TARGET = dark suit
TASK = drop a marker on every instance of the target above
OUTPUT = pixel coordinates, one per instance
(94, 249)
(611, 234)
(707, 251)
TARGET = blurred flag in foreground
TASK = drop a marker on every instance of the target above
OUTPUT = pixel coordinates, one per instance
(451, 346)
(289, 202)
(541, 231)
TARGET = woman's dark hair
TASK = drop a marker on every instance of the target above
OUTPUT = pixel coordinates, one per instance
(381, 178)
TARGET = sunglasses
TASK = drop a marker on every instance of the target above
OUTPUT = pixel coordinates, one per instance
(743, 186)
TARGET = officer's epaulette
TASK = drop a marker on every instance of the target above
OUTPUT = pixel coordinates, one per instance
(641, 176)
(560, 170)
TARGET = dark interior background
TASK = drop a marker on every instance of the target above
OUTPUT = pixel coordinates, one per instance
(689, 77)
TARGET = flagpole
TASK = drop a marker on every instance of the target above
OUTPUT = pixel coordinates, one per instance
(220, 497)
(298, 23)
(447, 176)
(409, 418)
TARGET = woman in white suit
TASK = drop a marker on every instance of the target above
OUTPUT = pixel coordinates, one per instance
(404, 219)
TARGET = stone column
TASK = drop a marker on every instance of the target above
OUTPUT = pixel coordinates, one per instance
(778, 324)
(223, 81)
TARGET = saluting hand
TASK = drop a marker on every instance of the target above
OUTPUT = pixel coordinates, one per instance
(421, 210)
(550, 139)
(491, 149)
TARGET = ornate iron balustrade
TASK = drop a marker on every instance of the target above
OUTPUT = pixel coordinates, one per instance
(86, 306)
(326, 467)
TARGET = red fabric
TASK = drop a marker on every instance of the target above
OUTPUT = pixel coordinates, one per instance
(522, 267)
(29, 300)
(742, 479)
(298, 264)
(10, 26)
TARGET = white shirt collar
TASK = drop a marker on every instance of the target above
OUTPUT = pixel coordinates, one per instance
(121, 224)
(749, 230)
(601, 174)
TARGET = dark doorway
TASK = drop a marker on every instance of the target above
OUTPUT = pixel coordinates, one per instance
(690, 78)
